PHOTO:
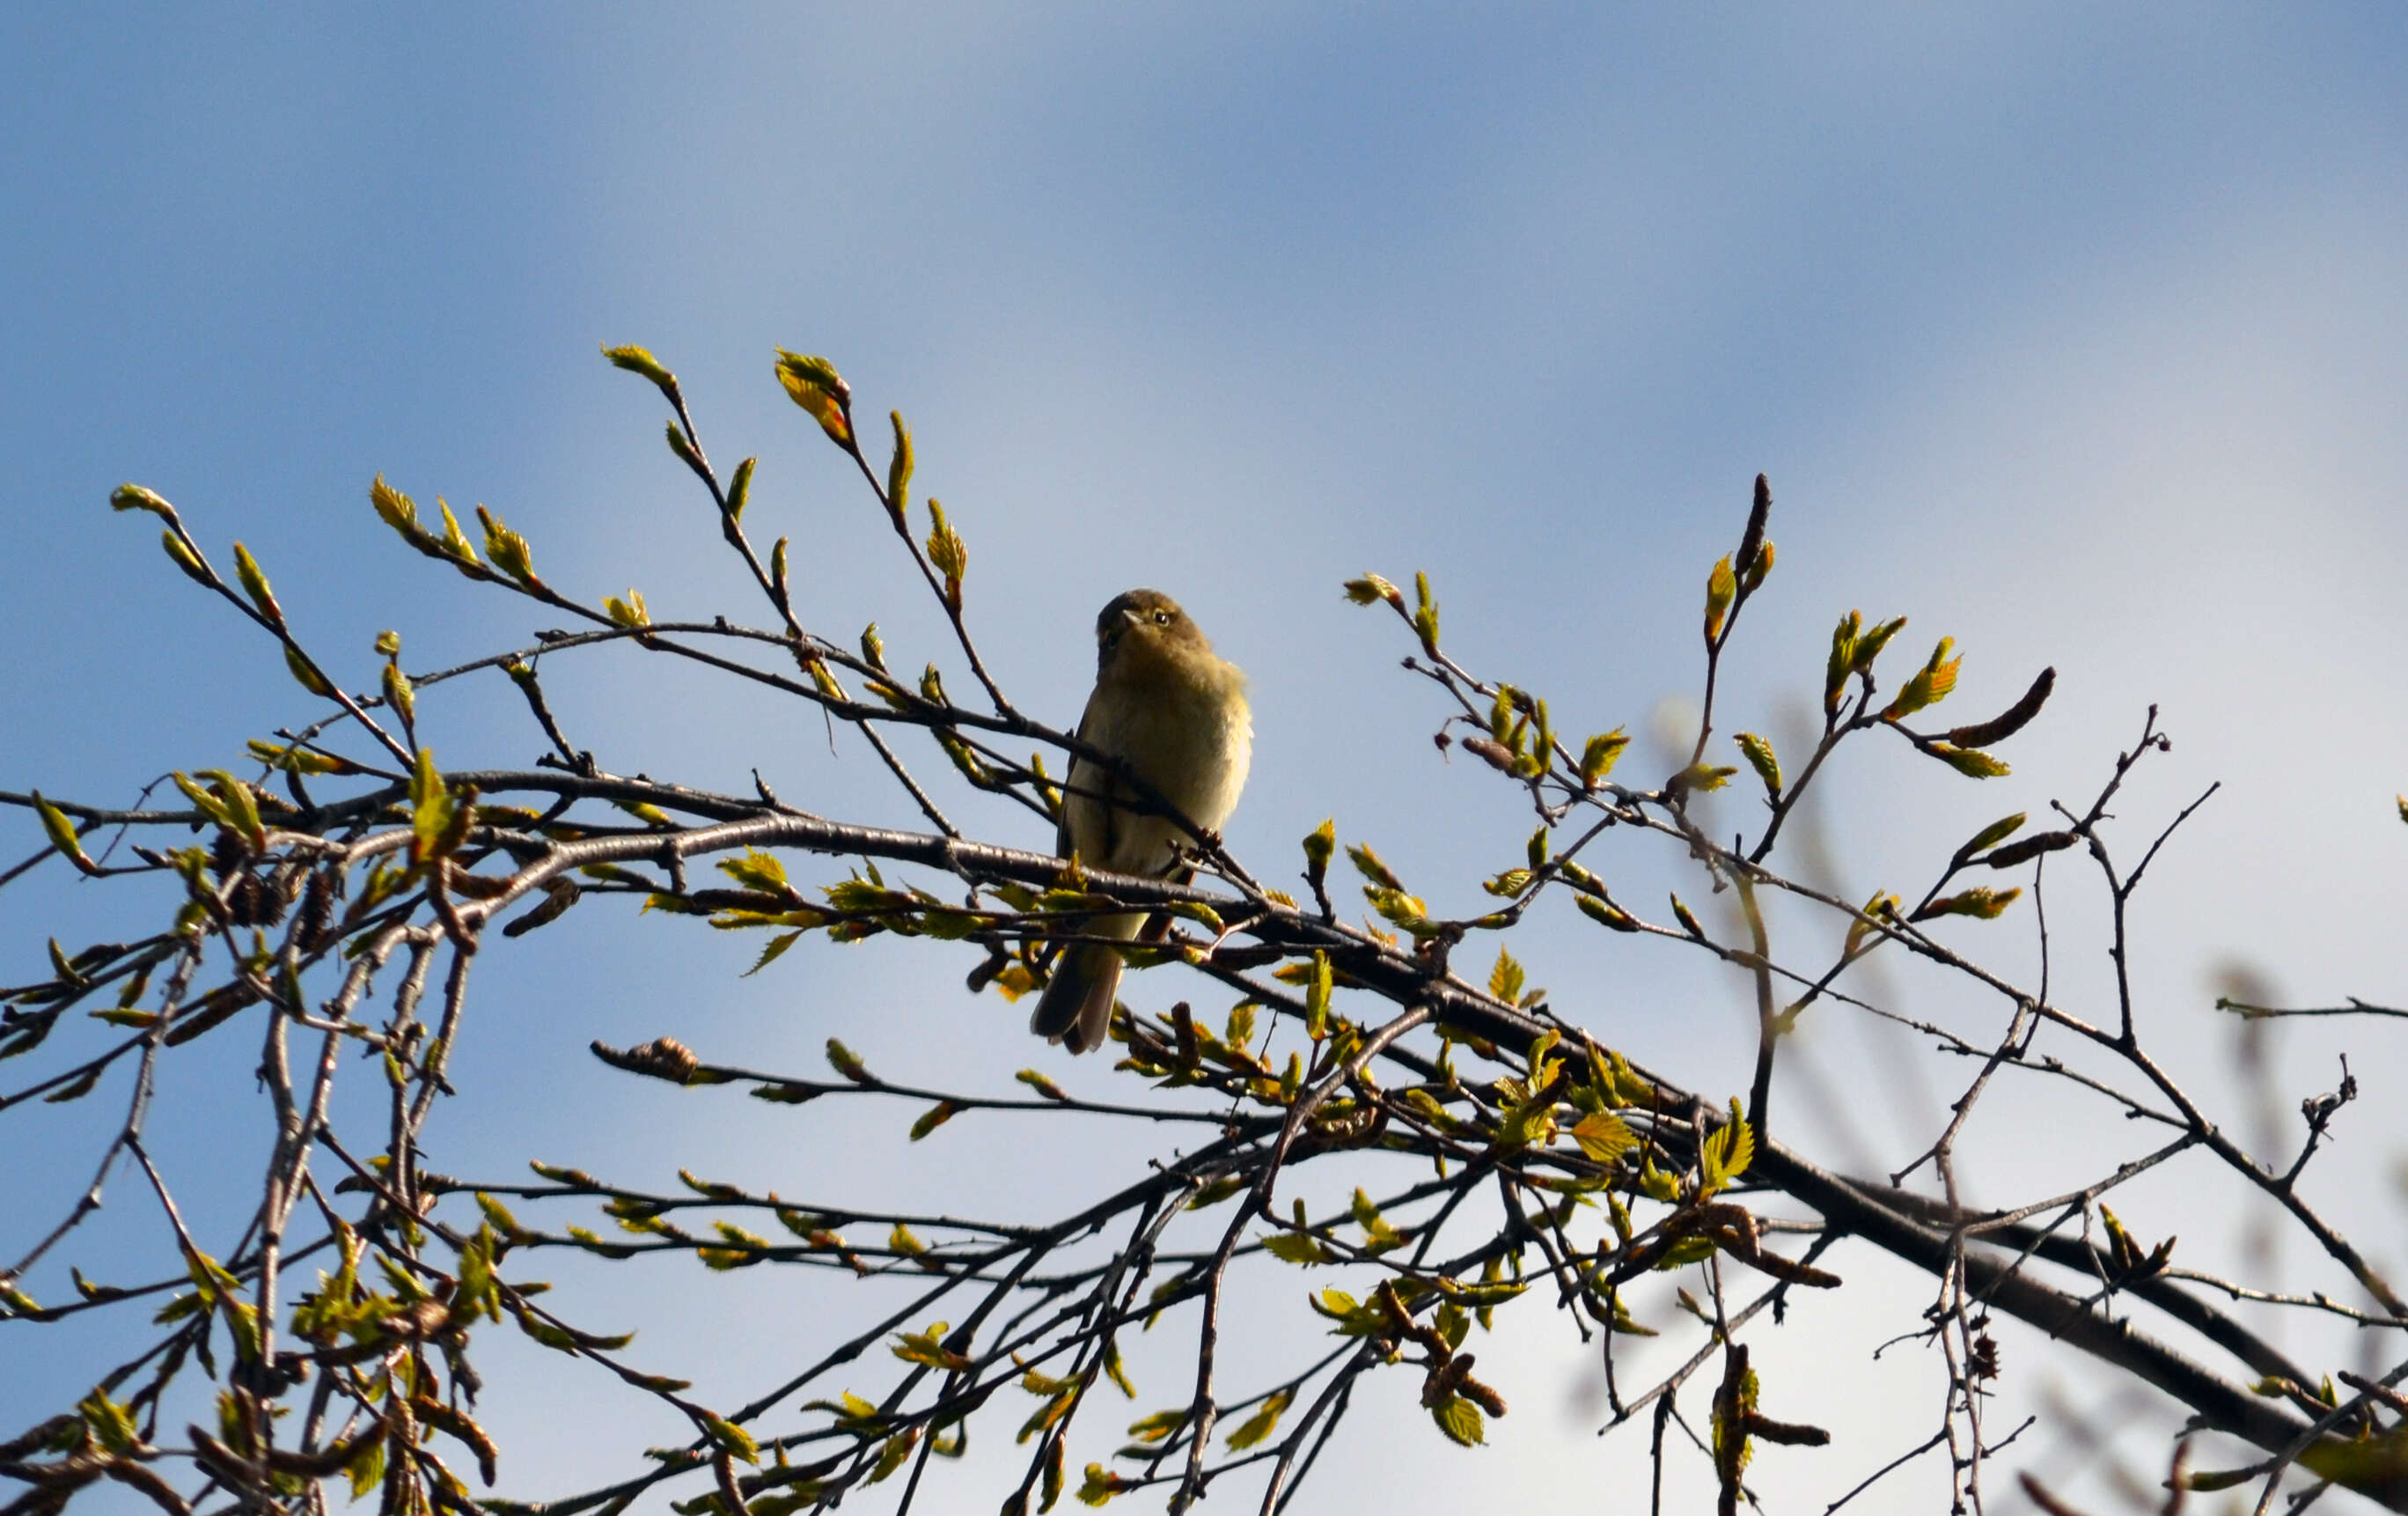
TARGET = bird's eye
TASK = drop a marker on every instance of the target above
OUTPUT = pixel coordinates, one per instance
(1162, 618)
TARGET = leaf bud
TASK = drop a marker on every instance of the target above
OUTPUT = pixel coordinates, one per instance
(2013, 720)
(193, 568)
(131, 497)
(739, 489)
(1752, 538)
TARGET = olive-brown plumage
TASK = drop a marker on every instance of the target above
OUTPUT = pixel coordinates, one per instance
(1176, 713)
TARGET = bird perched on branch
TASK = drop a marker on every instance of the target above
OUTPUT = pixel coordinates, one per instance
(1176, 714)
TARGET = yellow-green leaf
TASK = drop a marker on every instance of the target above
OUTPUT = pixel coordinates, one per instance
(814, 384)
(1259, 1426)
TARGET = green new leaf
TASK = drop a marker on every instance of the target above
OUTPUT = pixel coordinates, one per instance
(131, 497)
(813, 385)
(1259, 1425)
(1317, 997)
(1460, 1420)
(934, 1116)
(756, 869)
(848, 1062)
(947, 553)
(1870, 645)
(739, 488)
(1991, 835)
(306, 675)
(1599, 755)
(1843, 658)
(630, 611)
(1505, 979)
(1701, 777)
(638, 361)
(1368, 863)
(1426, 613)
(1606, 913)
(182, 558)
(1402, 909)
(1929, 686)
(1298, 1248)
(62, 833)
(1971, 762)
(1042, 1085)
(732, 1437)
(1722, 588)
(509, 550)
(1760, 757)
(1604, 1137)
(1980, 901)
(1371, 588)
(899, 470)
(1726, 1153)
(431, 807)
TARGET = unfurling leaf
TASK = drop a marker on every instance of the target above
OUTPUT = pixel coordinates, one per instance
(1701, 777)
(1598, 754)
(1760, 757)
(509, 550)
(848, 1062)
(814, 385)
(636, 361)
(1929, 686)
(1882, 907)
(1727, 1151)
(1843, 658)
(630, 611)
(1991, 835)
(1370, 588)
(1722, 588)
(1967, 761)
(1317, 997)
(732, 1437)
(1426, 615)
(1296, 1247)
(1505, 979)
(947, 553)
(1368, 863)
(1980, 901)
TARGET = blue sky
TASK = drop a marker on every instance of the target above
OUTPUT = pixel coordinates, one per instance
(2081, 337)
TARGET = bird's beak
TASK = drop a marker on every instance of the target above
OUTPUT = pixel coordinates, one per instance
(1132, 616)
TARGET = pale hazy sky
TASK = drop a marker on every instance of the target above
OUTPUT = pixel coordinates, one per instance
(2079, 334)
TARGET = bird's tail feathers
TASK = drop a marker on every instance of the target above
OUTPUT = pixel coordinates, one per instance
(1076, 1009)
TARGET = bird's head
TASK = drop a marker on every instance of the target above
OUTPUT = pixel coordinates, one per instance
(1143, 627)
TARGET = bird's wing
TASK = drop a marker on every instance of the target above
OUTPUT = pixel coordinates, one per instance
(1096, 815)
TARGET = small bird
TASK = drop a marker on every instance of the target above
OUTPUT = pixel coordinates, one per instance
(1176, 713)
